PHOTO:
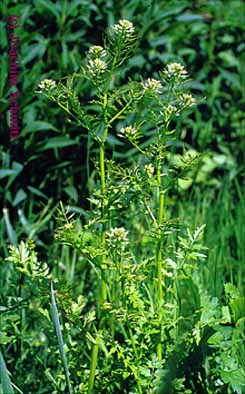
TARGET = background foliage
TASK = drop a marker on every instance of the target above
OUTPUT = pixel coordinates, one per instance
(51, 159)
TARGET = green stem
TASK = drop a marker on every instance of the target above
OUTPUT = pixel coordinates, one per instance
(138, 148)
(64, 108)
(103, 215)
(104, 197)
(120, 112)
(93, 365)
(137, 359)
(159, 251)
(103, 289)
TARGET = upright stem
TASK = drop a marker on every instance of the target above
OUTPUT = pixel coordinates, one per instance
(137, 361)
(103, 198)
(103, 289)
(93, 365)
(159, 250)
(103, 215)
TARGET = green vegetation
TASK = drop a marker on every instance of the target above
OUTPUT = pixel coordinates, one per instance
(122, 231)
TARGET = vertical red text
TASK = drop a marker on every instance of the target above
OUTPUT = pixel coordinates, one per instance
(13, 76)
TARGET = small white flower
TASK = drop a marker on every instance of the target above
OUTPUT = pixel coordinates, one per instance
(47, 84)
(128, 132)
(152, 85)
(96, 68)
(186, 100)
(123, 27)
(169, 111)
(97, 64)
(96, 51)
(219, 382)
(149, 169)
(117, 235)
(175, 70)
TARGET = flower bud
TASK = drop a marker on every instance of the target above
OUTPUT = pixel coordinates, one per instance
(128, 132)
(186, 100)
(46, 85)
(151, 85)
(175, 71)
(96, 52)
(96, 68)
(123, 28)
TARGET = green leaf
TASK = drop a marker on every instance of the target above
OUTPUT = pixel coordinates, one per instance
(189, 17)
(71, 191)
(229, 58)
(7, 172)
(10, 231)
(37, 192)
(56, 320)
(35, 50)
(112, 140)
(4, 377)
(49, 7)
(238, 307)
(4, 338)
(3, 71)
(20, 196)
(226, 314)
(236, 378)
(79, 210)
(25, 223)
(215, 339)
(64, 55)
(37, 125)
(58, 142)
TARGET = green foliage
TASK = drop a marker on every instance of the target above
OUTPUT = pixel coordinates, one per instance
(143, 306)
(6, 386)
(55, 316)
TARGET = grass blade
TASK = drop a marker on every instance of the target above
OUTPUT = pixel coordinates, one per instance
(4, 378)
(56, 320)
(10, 231)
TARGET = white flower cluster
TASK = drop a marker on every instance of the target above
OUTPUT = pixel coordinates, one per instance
(169, 111)
(175, 70)
(46, 85)
(186, 100)
(96, 52)
(96, 68)
(123, 27)
(128, 132)
(117, 235)
(152, 85)
(149, 168)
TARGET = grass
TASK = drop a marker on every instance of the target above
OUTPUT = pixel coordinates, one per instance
(223, 212)
(120, 349)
